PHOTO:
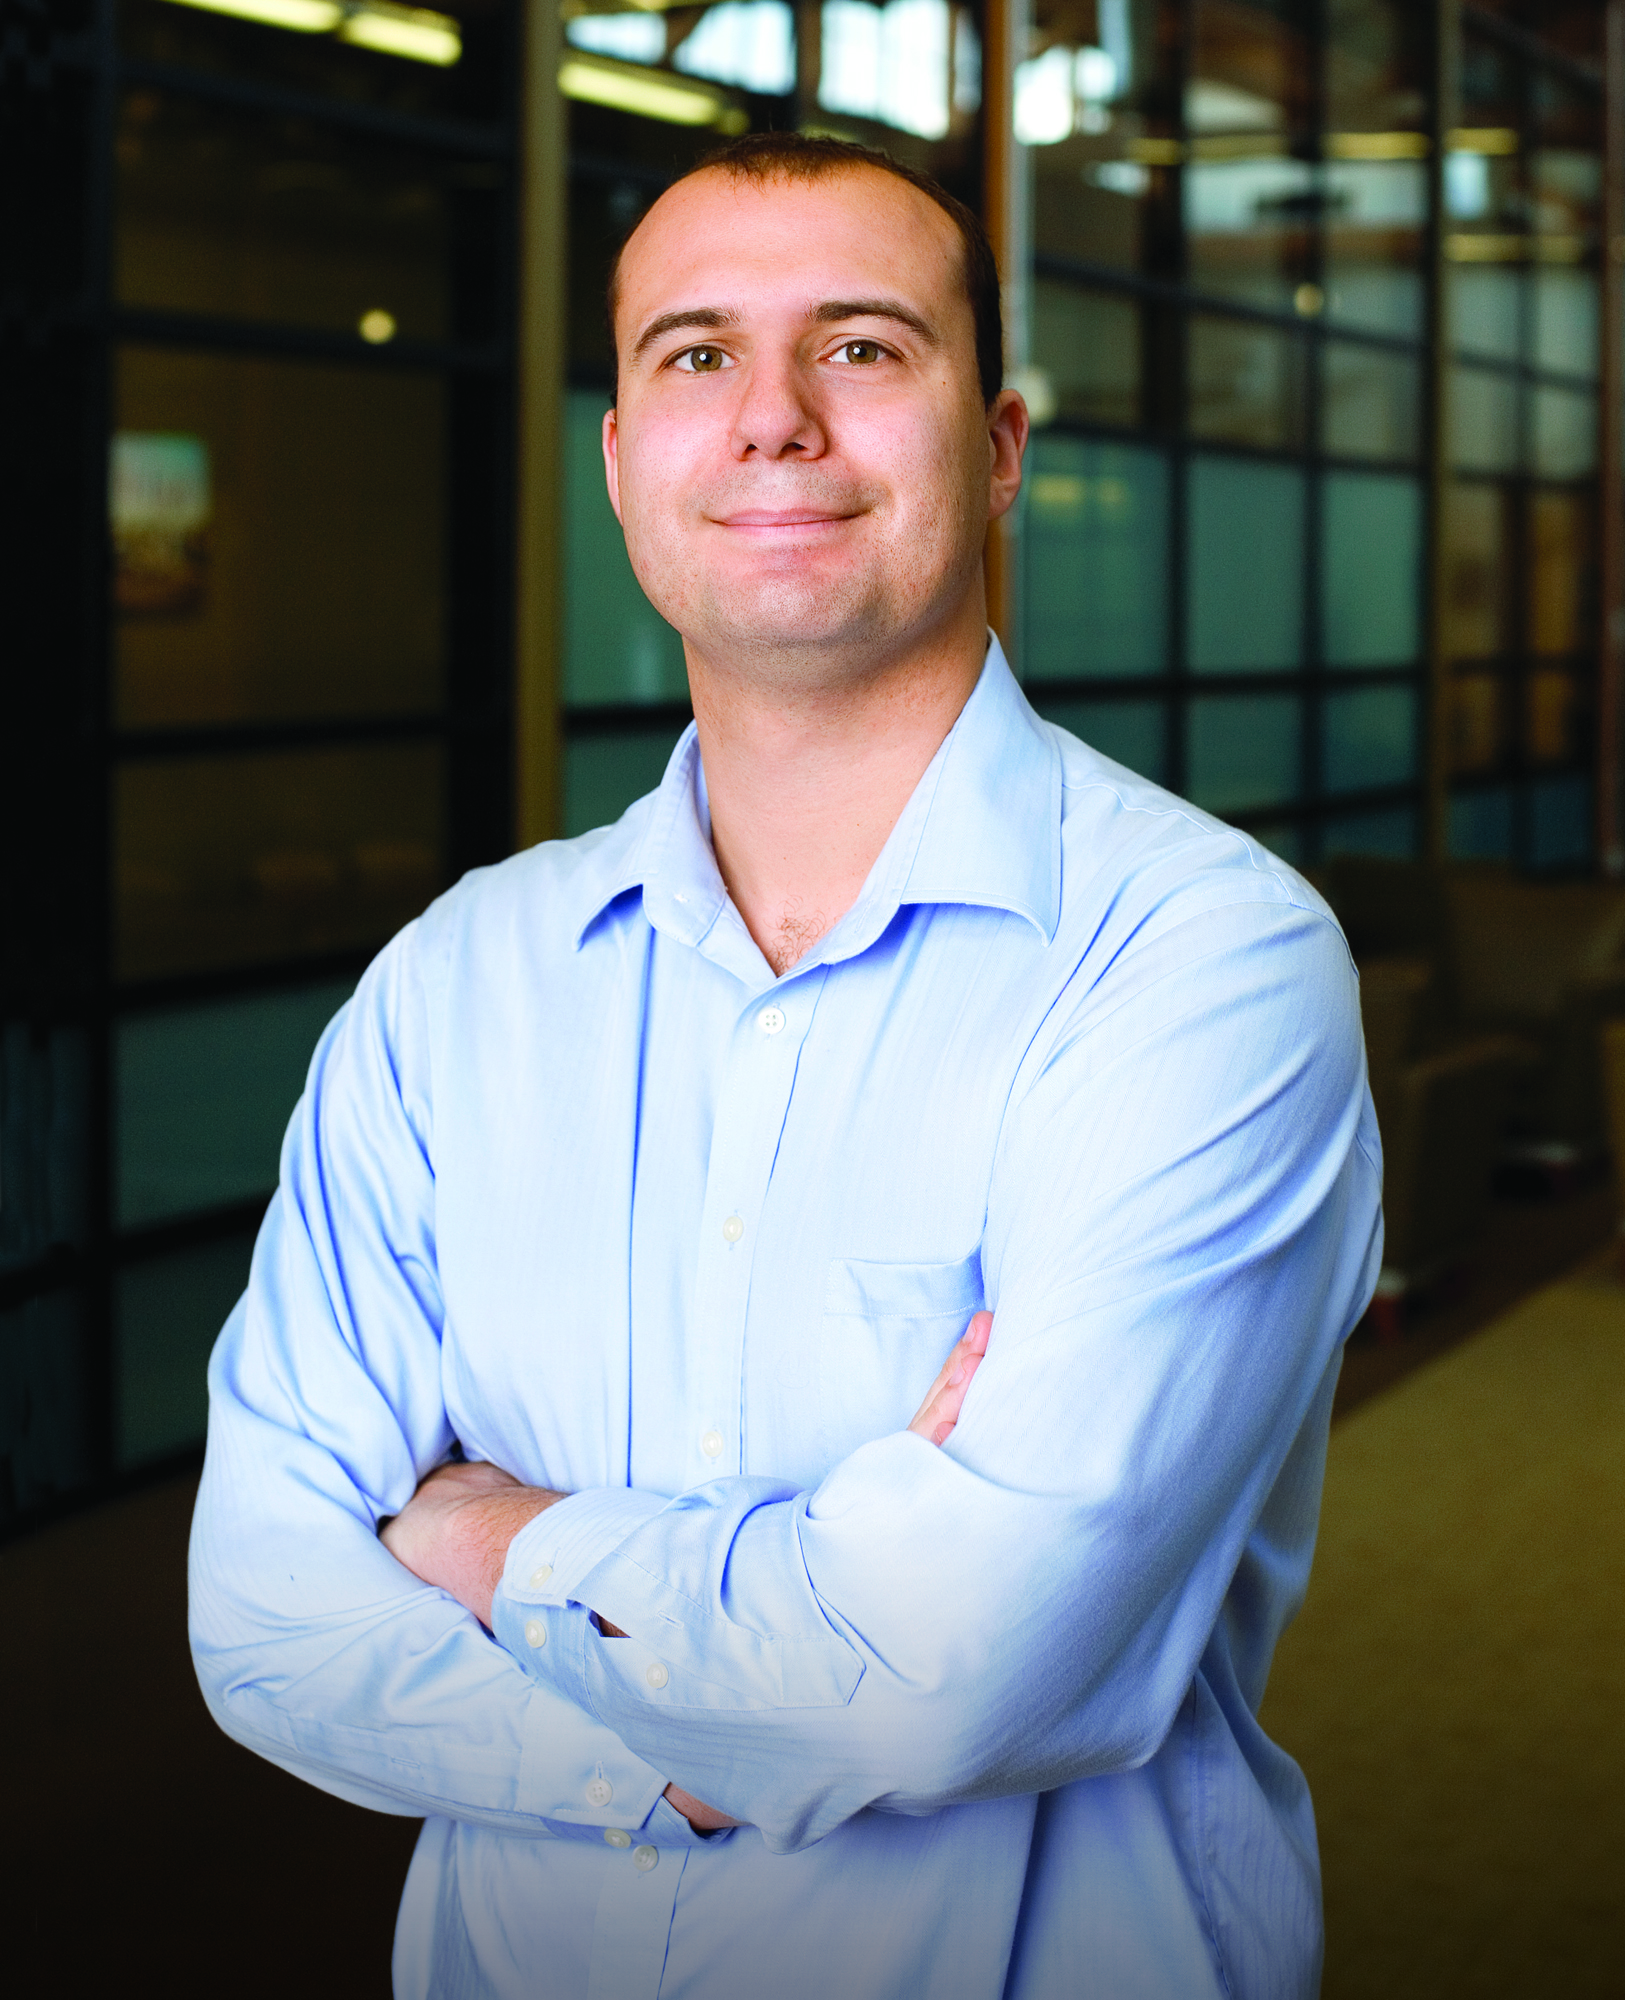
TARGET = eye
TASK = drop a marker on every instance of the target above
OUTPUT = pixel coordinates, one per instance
(700, 360)
(858, 353)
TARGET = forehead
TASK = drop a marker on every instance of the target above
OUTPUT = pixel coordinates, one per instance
(716, 240)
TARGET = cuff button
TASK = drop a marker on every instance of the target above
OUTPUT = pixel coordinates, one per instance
(535, 1632)
(599, 1791)
(617, 1836)
(540, 1576)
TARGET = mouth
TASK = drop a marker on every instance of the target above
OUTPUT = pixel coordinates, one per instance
(778, 521)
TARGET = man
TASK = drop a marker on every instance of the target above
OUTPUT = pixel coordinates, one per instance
(654, 1174)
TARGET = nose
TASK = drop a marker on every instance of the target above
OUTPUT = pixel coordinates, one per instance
(778, 415)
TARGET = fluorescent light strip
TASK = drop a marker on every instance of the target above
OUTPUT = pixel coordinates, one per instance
(413, 32)
(648, 93)
(304, 17)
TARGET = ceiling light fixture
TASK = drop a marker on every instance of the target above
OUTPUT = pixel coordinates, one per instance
(416, 33)
(648, 93)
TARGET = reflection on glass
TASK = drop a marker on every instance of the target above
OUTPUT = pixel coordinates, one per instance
(241, 860)
(1249, 69)
(1088, 347)
(1370, 403)
(1377, 57)
(1486, 310)
(1473, 606)
(219, 211)
(45, 1367)
(1368, 738)
(1246, 383)
(748, 43)
(1243, 751)
(1551, 720)
(203, 1095)
(1560, 822)
(167, 1315)
(910, 64)
(1561, 572)
(1483, 420)
(1374, 210)
(1129, 732)
(1476, 729)
(306, 577)
(617, 647)
(603, 775)
(1248, 224)
(1564, 423)
(1371, 570)
(1246, 566)
(1481, 825)
(1565, 315)
(44, 1133)
(1094, 557)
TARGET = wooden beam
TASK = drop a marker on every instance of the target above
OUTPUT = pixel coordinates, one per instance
(999, 55)
(539, 621)
(1436, 772)
(1610, 469)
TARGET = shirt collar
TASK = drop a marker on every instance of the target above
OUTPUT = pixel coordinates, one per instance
(982, 827)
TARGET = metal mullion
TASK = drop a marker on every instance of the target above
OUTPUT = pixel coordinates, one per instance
(193, 1230)
(142, 326)
(183, 989)
(446, 135)
(622, 718)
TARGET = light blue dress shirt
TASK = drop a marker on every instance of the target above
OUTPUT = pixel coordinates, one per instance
(578, 1185)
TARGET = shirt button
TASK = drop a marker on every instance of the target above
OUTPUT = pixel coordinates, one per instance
(646, 1858)
(711, 1444)
(599, 1791)
(617, 1836)
(535, 1633)
(770, 1020)
(732, 1229)
(539, 1576)
(657, 1676)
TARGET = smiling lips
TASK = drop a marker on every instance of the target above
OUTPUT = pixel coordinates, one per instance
(770, 520)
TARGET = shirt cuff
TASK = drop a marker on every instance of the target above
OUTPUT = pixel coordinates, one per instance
(574, 1769)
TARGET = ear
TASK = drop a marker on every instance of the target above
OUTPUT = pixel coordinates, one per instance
(612, 462)
(1008, 426)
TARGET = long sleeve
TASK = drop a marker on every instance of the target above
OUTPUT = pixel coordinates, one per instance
(313, 1646)
(1182, 1224)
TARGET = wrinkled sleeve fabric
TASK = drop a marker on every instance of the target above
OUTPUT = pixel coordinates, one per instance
(1183, 1223)
(313, 1646)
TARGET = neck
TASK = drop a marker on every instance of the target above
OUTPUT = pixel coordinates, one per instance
(807, 773)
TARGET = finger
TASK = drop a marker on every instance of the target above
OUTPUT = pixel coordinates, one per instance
(944, 1406)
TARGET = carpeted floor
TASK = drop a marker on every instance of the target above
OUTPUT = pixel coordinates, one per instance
(1454, 1686)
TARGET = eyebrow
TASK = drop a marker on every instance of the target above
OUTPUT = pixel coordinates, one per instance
(830, 312)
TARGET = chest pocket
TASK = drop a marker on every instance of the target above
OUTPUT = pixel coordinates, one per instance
(887, 1329)
(858, 1288)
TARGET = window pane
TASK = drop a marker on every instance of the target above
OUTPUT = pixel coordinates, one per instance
(1283, 839)
(1481, 825)
(1475, 572)
(1095, 537)
(1477, 722)
(1371, 570)
(44, 1084)
(617, 646)
(1246, 383)
(1552, 719)
(44, 1378)
(1371, 401)
(1562, 571)
(1246, 566)
(1565, 439)
(278, 530)
(1483, 420)
(203, 1096)
(1088, 348)
(239, 860)
(1243, 750)
(219, 211)
(1369, 738)
(1566, 321)
(1486, 310)
(167, 1315)
(1374, 212)
(604, 774)
(1560, 822)
(1388, 833)
(1129, 732)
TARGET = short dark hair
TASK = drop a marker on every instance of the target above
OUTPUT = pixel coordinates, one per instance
(799, 156)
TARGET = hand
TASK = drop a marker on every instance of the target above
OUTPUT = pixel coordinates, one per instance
(455, 1530)
(937, 1415)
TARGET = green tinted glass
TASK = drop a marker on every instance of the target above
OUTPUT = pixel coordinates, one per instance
(1368, 738)
(1246, 566)
(1243, 751)
(1371, 569)
(167, 1316)
(604, 774)
(1095, 558)
(1129, 732)
(617, 647)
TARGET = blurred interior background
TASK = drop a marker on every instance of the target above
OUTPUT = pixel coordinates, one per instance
(312, 597)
